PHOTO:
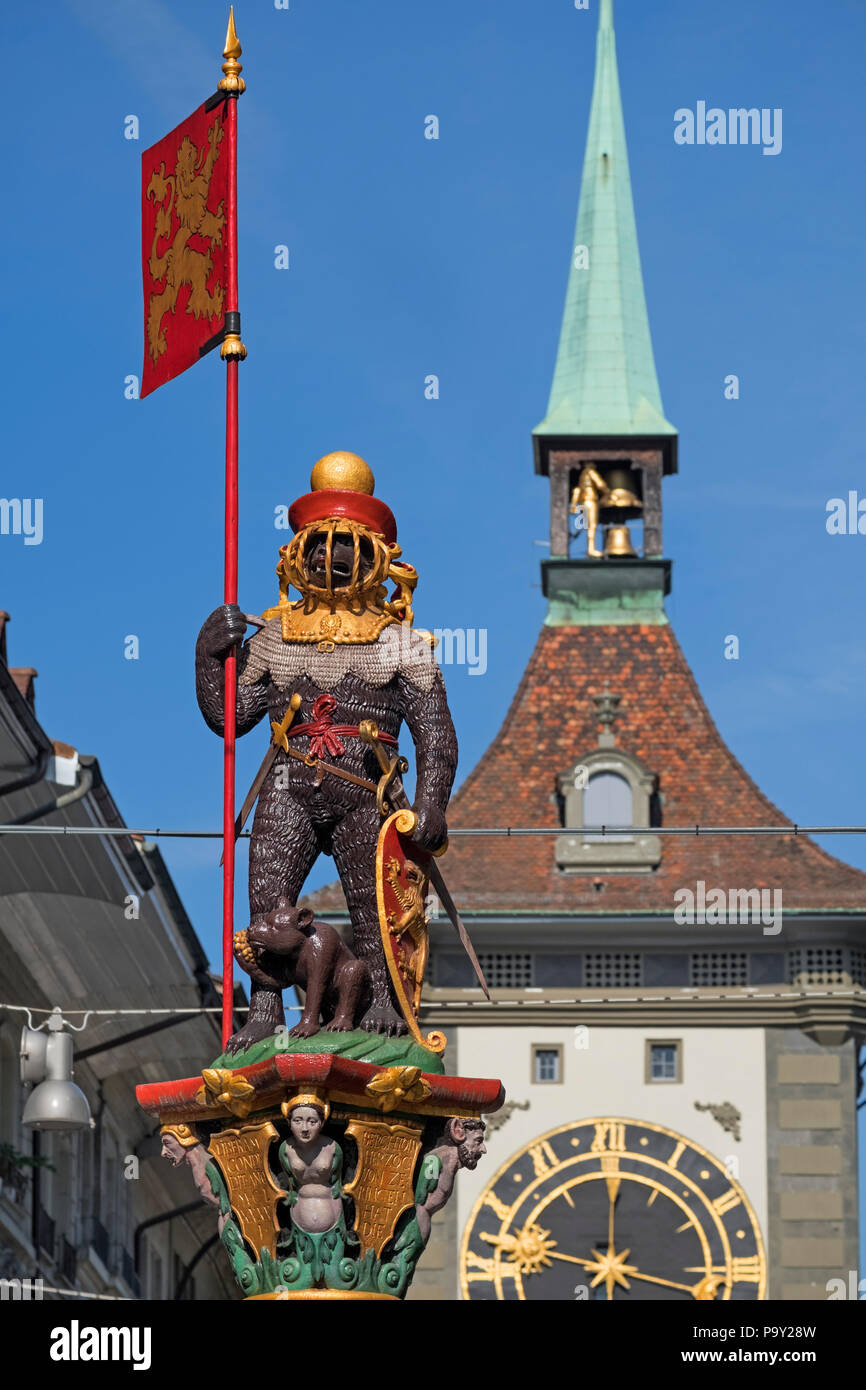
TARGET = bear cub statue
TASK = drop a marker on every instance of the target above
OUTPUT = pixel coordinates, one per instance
(289, 947)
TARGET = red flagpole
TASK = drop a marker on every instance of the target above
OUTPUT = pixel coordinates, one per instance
(231, 683)
(233, 352)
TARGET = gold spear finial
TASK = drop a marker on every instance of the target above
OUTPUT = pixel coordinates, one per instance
(232, 82)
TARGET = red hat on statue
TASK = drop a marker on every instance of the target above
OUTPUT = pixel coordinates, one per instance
(342, 486)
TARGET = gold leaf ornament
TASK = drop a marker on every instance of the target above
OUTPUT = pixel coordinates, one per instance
(398, 1086)
(222, 1086)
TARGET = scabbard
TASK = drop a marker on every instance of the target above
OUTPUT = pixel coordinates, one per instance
(278, 740)
(253, 793)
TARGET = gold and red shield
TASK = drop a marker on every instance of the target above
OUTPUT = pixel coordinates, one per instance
(402, 877)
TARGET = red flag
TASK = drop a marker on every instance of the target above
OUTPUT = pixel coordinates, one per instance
(184, 246)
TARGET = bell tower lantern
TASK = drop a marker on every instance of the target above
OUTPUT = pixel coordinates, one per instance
(605, 443)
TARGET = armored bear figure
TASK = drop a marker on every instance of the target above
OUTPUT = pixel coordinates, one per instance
(351, 655)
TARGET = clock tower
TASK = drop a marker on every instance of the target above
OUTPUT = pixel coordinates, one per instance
(677, 1019)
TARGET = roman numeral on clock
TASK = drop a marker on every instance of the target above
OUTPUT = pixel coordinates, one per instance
(745, 1269)
(501, 1208)
(726, 1202)
(609, 1138)
(676, 1155)
(480, 1266)
(544, 1160)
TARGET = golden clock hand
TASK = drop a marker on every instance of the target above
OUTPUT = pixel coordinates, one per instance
(572, 1259)
(698, 1291)
(607, 1267)
(650, 1278)
(612, 1180)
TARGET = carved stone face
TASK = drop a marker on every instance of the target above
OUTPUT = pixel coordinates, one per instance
(306, 1124)
(172, 1149)
(471, 1148)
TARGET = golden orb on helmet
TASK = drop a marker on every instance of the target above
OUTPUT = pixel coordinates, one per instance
(342, 472)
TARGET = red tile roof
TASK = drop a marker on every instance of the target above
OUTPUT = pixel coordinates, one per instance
(663, 721)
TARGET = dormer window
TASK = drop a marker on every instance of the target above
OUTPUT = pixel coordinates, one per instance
(607, 787)
(607, 800)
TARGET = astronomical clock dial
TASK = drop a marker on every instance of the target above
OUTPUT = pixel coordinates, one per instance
(613, 1209)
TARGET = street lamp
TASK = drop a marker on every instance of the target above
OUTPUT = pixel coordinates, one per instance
(55, 1102)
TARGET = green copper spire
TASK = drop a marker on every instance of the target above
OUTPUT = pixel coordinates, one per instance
(605, 379)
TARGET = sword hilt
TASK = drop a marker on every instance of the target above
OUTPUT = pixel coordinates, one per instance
(280, 737)
(368, 732)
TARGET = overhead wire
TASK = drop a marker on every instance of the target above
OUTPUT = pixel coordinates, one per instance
(460, 831)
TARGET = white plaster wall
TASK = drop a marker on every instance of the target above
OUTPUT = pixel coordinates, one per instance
(607, 1078)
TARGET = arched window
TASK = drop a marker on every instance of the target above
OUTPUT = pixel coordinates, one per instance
(608, 786)
(607, 801)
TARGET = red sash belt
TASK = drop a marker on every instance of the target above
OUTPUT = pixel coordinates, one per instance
(325, 735)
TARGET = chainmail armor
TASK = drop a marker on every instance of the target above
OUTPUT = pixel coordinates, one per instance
(397, 648)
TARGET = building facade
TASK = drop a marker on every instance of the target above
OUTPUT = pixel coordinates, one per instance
(94, 923)
(677, 1019)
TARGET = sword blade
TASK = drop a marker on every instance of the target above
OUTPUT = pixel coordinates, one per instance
(253, 793)
(450, 907)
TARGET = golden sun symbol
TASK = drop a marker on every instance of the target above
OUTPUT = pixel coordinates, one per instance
(528, 1249)
(610, 1268)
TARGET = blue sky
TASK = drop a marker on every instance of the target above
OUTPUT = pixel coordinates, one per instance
(410, 257)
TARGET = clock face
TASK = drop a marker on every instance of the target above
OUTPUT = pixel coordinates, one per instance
(613, 1209)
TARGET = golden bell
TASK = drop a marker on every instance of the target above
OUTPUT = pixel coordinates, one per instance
(617, 543)
(623, 497)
